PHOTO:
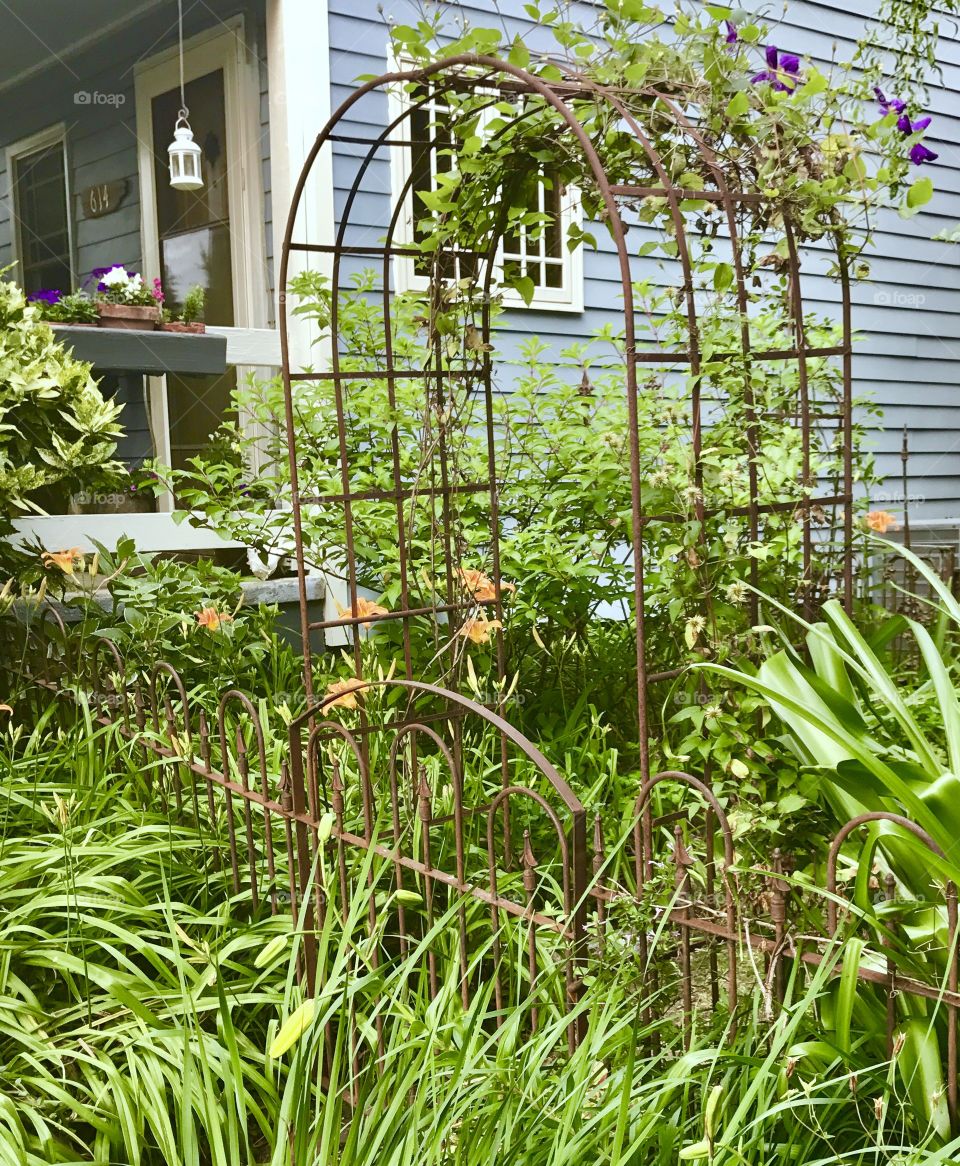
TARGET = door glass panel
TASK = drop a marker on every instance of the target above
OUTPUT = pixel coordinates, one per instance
(40, 206)
(194, 231)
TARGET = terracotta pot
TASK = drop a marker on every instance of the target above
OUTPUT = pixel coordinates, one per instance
(196, 327)
(141, 316)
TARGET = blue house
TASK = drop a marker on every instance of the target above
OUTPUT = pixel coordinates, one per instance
(89, 95)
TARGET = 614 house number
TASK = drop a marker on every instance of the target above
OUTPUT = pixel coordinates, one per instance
(102, 199)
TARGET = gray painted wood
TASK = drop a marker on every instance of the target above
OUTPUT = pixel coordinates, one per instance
(150, 353)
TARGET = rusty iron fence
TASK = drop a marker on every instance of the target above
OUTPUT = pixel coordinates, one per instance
(523, 887)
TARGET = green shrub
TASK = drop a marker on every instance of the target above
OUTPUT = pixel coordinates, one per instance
(57, 431)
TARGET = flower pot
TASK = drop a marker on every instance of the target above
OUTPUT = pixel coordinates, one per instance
(196, 327)
(142, 316)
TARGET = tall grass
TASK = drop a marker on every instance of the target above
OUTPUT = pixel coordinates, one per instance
(139, 1000)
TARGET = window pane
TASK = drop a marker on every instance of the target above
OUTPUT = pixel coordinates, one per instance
(40, 207)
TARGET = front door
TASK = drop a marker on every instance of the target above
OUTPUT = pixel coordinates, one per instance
(193, 230)
(213, 237)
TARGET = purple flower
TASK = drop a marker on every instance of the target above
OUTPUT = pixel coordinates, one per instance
(782, 71)
(894, 104)
(45, 295)
(920, 154)
(906, 127)
(731, 37)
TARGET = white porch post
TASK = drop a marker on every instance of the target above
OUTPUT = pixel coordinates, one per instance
(298, 62)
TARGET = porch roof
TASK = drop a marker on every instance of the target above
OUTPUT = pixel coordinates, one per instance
(34, 36)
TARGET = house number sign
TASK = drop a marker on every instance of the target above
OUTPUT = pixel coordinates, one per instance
(102, 199)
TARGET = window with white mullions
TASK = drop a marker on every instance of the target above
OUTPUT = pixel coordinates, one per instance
(432, 142)
(534, 246)
(537, 250)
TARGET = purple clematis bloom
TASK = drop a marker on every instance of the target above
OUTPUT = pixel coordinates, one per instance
(45, 295)
(731, 37)
(782, 71)
(906, 127)
(920, 154)
(894, 104)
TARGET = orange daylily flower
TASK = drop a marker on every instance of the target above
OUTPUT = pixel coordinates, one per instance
(481, 586)
(211, 618)
(65, 560)
(364, 608)
(345, 692)
(881, 521)
(478, 631)
(5, 708)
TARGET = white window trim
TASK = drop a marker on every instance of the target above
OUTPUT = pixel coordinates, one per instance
(50, 136)
(567, 298)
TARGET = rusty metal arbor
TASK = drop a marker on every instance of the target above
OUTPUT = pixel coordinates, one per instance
(428, 504)
(362, 160)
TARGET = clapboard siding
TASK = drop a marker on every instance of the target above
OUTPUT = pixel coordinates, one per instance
(907, 315)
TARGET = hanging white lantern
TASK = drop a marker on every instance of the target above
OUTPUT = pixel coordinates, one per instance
(185, 169)
(185, 166)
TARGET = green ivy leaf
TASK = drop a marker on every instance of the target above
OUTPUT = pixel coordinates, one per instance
(525, 287)
(519, 54)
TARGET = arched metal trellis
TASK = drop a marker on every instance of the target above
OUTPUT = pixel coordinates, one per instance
(427, 506)
(362, 160)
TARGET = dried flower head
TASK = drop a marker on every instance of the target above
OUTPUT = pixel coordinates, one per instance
(737, 592)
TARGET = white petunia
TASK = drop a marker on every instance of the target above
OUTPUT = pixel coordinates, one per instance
(116, 277)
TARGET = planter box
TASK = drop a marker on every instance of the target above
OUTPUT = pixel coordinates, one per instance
(140, 316)
(196, 328)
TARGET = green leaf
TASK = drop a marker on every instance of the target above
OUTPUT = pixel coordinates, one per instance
(920, 193)
(525, 287)
(519, 54)
(738, 105)
(847, 990)
(722, 277)
(921, 1068)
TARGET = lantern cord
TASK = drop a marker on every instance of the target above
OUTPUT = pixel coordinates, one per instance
(184, 111)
